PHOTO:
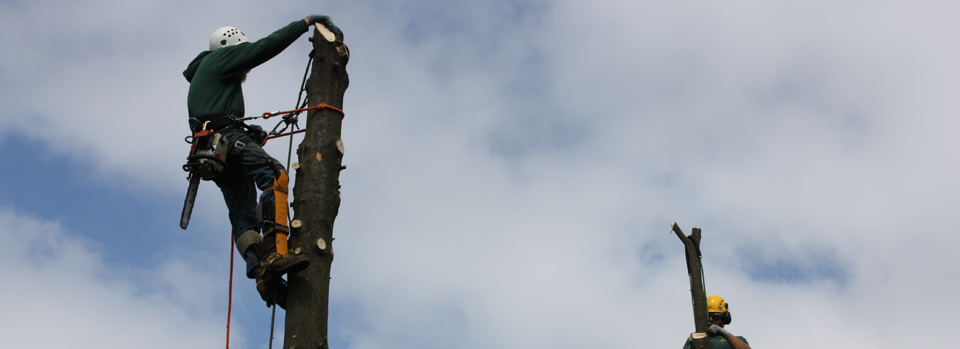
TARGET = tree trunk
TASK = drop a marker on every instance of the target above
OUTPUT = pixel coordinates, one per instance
(316, 196)
(697, 293)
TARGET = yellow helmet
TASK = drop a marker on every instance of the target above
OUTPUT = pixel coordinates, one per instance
(715, 304)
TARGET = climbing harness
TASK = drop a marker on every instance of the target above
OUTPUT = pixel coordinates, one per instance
(210, 152)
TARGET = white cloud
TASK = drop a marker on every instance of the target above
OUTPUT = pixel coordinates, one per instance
(61, 293)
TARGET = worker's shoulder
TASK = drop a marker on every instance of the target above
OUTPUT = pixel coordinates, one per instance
(225, 61)
(715, 342)
(719, 342)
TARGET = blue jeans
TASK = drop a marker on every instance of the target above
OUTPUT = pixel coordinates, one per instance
(255, 169)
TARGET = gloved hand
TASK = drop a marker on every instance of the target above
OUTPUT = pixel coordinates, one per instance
(256, 133)
(717, 331)
(325, 20)
(255, 128)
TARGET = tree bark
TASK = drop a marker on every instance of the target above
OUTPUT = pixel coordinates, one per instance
(316, 196)
(698, 295)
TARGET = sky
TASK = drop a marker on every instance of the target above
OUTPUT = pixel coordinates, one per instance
(513, 171)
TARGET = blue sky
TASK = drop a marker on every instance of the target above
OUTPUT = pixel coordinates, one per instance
(513, 169)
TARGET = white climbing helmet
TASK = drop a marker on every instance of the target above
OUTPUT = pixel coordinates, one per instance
(226, 36)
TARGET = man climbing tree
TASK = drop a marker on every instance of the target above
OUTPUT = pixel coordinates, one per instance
(717, 336)
(215, 103)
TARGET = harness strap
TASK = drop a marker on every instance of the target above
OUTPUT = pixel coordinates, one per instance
(275, 188)
(213, 122)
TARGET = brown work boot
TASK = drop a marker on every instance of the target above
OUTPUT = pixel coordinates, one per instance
(276, 265)
(272, 290)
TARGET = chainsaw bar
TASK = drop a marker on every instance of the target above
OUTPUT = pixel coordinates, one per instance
(188, 203)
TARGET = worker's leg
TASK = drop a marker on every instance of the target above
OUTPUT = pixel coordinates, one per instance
(271, 177)
(240, 194)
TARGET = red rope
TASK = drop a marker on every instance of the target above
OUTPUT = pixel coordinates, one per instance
(230, 292)
(268, 115)
(281, 135)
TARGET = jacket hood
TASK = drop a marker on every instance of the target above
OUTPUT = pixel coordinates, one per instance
(192, 68)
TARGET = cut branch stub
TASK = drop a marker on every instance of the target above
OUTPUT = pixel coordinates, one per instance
(295, 226)
(676, 229)
(340, 146)
(326, 33)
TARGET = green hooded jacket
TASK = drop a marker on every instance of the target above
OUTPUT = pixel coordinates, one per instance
(215, 77)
